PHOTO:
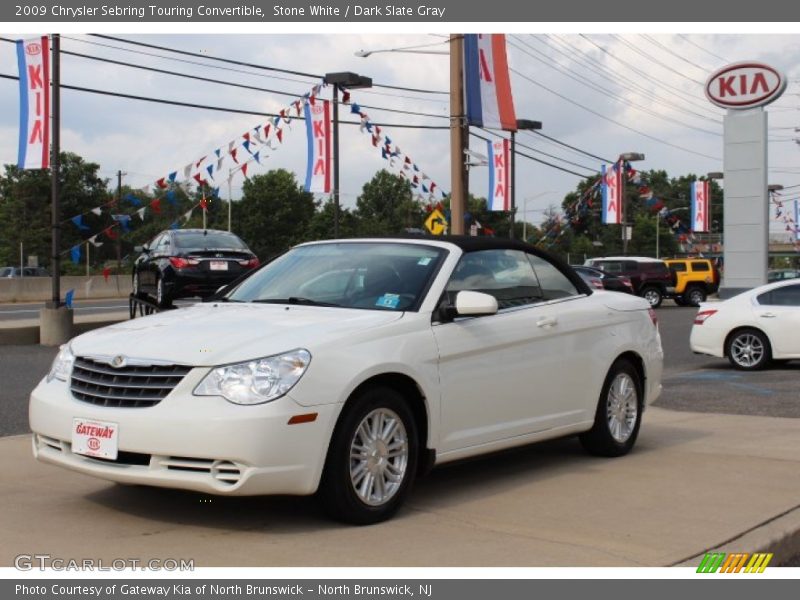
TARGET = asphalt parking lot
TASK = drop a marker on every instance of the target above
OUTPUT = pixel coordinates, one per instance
(715, 435)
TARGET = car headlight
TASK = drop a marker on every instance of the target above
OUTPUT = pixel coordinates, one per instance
(62, 365)
(256, 381)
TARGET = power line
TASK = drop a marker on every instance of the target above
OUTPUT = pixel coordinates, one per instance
(552, 139)
(518, 143)
(543, 162)
(620, 124)
(578, 56)
(233, 70)
(613, 95)
(220, 108)
(253, 65)
(671, 89)
(699, 47)
(654, 60)
(669, 50)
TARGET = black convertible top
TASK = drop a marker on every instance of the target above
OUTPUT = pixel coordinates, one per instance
(471, 243)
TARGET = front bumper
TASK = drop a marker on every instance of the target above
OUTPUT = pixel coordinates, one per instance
(204, 444)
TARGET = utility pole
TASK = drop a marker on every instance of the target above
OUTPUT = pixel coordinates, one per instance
(230, 197)
(55, 167)
(335, 160)
(119, 236)
(55, 319)
(459, 134)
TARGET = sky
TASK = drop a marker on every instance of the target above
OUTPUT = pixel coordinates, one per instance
(603, 93)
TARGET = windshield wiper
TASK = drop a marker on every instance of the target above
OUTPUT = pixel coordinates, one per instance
(294, 300)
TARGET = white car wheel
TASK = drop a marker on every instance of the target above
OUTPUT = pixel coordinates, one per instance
(748, 350)
(372, 458)
(619, 412)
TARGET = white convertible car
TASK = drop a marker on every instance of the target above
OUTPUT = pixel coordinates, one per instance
(348, 367)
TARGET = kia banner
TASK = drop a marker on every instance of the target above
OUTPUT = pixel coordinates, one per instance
(700, 205)
(318, 131)
(499, 175)
(612, 194)
(33, 60)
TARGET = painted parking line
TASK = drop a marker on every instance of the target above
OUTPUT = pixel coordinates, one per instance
(724, 377)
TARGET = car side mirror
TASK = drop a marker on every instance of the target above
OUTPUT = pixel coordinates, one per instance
(474, 304)
(140, 249)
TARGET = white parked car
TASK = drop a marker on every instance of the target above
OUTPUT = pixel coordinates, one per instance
(753, 328)
(347, 367)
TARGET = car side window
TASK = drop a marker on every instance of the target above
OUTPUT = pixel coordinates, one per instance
(554, 283)
(700, 266)
(505, 274)
(784, 296)
(678, 267)
(163, 244)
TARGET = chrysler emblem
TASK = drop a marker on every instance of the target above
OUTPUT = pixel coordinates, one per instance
(118, 362)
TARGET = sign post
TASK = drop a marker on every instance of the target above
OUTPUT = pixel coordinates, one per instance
(744, 89)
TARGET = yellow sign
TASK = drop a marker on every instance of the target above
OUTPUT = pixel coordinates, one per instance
(436, 223)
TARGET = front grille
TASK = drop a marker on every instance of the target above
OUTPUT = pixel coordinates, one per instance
(132, 386)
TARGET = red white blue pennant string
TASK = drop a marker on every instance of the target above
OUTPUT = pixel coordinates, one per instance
(424, 188)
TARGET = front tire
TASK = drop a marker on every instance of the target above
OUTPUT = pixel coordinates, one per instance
(372, 458)
(653, 295)
(619, 412)
(748, 350)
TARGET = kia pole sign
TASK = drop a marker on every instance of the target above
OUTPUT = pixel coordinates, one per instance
(744, 89)
(745, 85)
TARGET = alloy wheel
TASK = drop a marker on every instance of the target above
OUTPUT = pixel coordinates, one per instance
(622, 407)
(379, 455)
(747, 350)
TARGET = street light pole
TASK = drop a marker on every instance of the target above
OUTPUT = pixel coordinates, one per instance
(522, 124)
(350, 81)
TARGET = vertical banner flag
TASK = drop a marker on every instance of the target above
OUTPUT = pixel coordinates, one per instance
(700, 205)
(487, 86)
(499, 176)
(33, 61)
(612, 195)
(318, 131)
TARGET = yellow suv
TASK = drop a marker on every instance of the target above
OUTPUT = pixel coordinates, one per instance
(695, 279)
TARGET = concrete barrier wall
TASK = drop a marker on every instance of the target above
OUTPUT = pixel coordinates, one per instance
(38, 289)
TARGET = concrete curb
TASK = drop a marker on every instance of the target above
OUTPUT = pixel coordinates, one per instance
(27, 331)
(779, 535)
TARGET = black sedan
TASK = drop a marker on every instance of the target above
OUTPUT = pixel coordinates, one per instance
(189, 262)
(614, 283)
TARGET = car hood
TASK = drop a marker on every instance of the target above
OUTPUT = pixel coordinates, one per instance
(218, 333)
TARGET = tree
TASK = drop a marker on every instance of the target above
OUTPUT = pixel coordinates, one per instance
(386, 206)
(274, 213)
(25, 207)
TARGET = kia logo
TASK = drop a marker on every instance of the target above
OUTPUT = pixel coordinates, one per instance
(317, 109)
(745, 85)
(93, 443)
(33, 48)
(118, 362)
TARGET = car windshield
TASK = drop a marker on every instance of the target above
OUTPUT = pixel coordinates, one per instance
(370, 275)
(210, 239)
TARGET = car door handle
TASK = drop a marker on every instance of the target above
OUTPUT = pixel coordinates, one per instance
(546, 322)
(768, 315)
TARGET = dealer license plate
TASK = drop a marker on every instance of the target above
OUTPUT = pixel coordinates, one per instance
(218, 265)
(95, 438)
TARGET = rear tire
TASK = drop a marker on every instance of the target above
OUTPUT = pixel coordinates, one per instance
(619, 412)
(748, 350)
(653, 295)
(163, 299)
(372, 458)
